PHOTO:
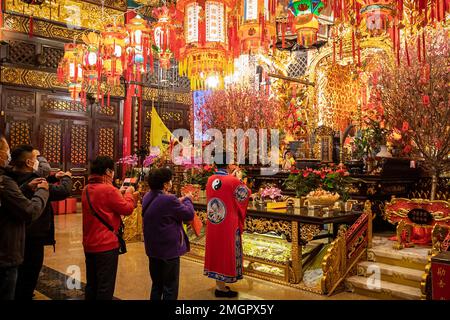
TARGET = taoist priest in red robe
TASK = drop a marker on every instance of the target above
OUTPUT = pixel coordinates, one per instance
(227, 198)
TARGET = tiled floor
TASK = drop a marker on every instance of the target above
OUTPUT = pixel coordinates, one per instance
(133, 280)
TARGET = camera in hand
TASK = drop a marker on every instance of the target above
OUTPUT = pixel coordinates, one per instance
(130, 182)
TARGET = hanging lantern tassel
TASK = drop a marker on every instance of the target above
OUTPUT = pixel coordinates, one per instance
(359, 55)
(340, 49)
(418, 49)
(283, 35)
(407, 53)
(30, 33)
(109, 98)
(398, 46)
(423, 47)
(353, 45)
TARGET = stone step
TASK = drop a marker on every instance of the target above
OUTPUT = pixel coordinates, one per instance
(391, 273)
(385, 290)
(415, 258)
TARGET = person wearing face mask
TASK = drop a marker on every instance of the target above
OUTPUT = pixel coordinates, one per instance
(16, 211)
(24, 159)
(101, 200)
(164, 236)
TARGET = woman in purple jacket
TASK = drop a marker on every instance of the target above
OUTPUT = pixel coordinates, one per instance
(164, 236)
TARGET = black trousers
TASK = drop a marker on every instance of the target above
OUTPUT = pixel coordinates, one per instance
(165, 276)
(101, 271)
(29, 270)
(8, 279)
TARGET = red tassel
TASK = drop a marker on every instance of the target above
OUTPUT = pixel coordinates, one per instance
(407, 53)
(283, 35)
(359, 55)
(432, 11)
(423, 47)
(109, 98)
(418, 49)
(398, 46)
(340, 49)
(353, 45)
(30, 34)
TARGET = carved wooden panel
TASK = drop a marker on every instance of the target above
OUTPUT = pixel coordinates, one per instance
(22, 53)
(51, 141)
(106, 143)
(18, 100)
(51, 57)
(111, 111)
(53, 104)
(19, 131)
(78, 144)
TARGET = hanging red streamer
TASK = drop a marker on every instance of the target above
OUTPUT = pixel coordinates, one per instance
(353, 45)
(418, 49)
(423, 47)
(31, 24)
(407, 53)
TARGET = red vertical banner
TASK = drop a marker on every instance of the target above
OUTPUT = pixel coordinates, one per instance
(440, 276)
(127, 108)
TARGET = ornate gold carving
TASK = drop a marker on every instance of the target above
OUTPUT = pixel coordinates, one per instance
(172, 115)
(74, 13)
(267, 225)
(167, 96)
(309, 231)
(19, 133)
(296, 272)
(334, 263)
(40, 28)
(106, 142)
(115, 4)
(439, 236)
(133, 225)
(32, 78)
(47, 80)
(425, 283)
(52, 142)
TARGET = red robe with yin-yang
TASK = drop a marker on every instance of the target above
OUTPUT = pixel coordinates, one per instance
(227, 199)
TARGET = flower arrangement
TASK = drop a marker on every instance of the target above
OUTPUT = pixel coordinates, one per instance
(129, 162)
(199, 175)
(271, 193)
(329, 178)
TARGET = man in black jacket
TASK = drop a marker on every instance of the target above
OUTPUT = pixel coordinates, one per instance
(42, 231)
(15, 211)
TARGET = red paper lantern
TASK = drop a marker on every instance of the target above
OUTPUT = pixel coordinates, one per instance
(164, 32)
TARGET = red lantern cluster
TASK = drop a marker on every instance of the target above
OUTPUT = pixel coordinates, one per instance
(104, 59)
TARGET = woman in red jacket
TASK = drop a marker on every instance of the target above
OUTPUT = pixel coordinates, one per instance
(101, 200)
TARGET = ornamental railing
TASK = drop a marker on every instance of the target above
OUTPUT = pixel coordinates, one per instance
(346, 251)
